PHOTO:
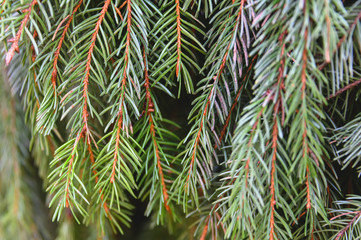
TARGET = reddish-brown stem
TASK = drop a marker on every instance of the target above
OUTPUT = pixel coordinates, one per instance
(249, 147)
(85, 129)
(121, 102)
(342, 232)
(33, 57)
(118, 10)
(351, 85)
(57, 52)
(58, 27)
(308, 205)
(117, 140)
(273, 169)
(160, 169)
(150, 110)
(15, 41)
(204, 115)
(88, 66)
(349, 30)
(344, 214)
(127, 45)
(179, 37)
(234, 104)
(277, 107)
(239, 15)
(304, 65)
(323, 65)
(205, 230)
(303, 213)
(304, 134)
(223, 132)
(224, 59)
(123, 4)
(119, 13)
(220, 73)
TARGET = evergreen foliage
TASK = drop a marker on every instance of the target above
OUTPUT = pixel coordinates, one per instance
(232, 119)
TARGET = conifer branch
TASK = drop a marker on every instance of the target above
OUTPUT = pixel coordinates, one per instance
(150, 110)
(235, 102)
(198, 165)
(349, 223)
(273, 169)
(70, 170)
(57, 52)
(15, 41)
(87, 70)
(276, 108)
(93, 79)
(305, 150)
(72, 146)
(176, 46)
(159, 143)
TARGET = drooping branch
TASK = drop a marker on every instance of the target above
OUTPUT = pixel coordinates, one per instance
(358, 17)
(57, 52)
(15, 41)
(205, 112)
(305, 150)
(123, 85)
(273, 169)
(87, 69)
(276, 108)
(150, 110)
(236, 99)
(344, 230)
(84, 131)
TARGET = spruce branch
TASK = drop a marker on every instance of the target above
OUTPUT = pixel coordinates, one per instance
(150, 111)
(158, 171)
(61, 40)
(346, 218)
(48, 110)
(67, 156)
(198, 159)
(15, 41)
(235, 102)
(176, 45)
(267, 79)
(87, 70)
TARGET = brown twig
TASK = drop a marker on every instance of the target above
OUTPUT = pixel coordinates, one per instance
(349, 86)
